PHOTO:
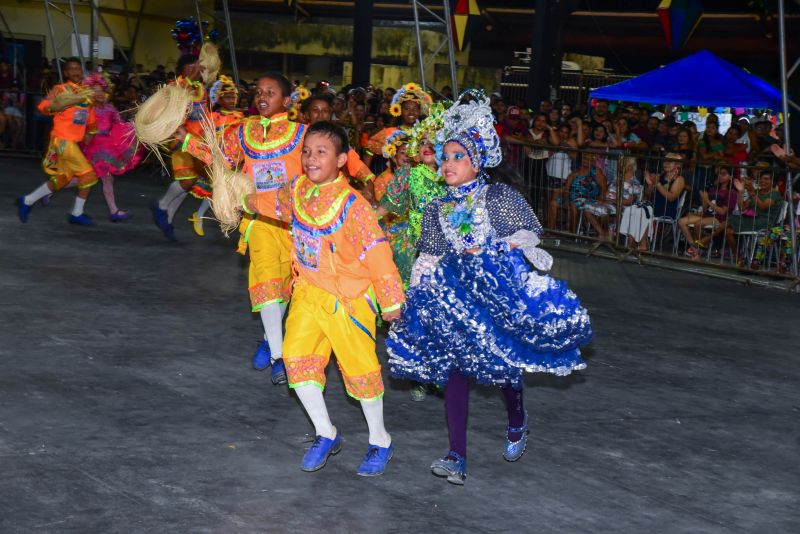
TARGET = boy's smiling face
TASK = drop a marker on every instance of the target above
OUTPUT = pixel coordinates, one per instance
(321, 158)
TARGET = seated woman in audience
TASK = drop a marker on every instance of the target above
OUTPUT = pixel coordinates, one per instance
(560, 162)
(717, 203)
(664, 192)
(757, 203)
(598, 213)
(583, 186)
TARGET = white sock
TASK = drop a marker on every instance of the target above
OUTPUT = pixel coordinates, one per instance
(272, 319)
(38, 193)
(314, 404)
(77, 208)
(373, 413)
(172, 199)
(203, 208)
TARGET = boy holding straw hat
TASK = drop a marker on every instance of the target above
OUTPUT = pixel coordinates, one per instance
(344, 270)
(223, 96)
(186, 169)
(70, 104)
(268, 149)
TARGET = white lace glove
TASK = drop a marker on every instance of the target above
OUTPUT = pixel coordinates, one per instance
(424, 264)
(528, 242)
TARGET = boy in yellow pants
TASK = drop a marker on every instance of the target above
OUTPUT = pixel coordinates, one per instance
(73, 120)
(344, 271)
(186, 169)
(267, 146)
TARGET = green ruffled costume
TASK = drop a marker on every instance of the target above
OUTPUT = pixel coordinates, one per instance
(407, 194)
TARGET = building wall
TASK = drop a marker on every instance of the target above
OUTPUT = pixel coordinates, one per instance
(154, 45)
(394, 53)
(328, 47)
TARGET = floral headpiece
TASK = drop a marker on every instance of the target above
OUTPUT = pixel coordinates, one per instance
(224, 85)
(394, 142)
(470, 123)
(410, 92)
(429, 127)
(97, 79)
(298, 96)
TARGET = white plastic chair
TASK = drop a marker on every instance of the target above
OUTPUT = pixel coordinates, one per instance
(665, 221)
(749, 238)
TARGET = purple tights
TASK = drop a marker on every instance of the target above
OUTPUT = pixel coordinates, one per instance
(456, 401)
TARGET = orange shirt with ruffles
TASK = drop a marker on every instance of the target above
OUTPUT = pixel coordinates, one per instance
(72, 123)
(223, 119)
(338, 245)
(268, 149)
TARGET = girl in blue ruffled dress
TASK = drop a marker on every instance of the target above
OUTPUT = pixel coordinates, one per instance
(477, 306)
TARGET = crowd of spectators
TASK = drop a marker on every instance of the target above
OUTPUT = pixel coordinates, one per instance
(701, 190)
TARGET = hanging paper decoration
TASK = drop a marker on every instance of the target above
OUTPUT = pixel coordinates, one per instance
(702, 111)
(189, 37)
(679, 18)
(466, 17)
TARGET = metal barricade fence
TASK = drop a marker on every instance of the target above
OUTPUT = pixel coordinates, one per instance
(711, 213)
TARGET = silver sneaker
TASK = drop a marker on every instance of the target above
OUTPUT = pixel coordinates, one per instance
(453, 466)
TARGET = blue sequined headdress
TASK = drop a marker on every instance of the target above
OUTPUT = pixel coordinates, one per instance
(470, 123)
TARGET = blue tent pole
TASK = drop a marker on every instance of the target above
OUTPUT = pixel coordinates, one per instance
(786, 140)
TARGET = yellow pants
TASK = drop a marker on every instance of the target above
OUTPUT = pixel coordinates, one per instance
(270, 274)
(185, 166)
(65, 161)
(318, 323)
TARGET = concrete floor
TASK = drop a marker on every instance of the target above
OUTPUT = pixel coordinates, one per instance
(127, 402)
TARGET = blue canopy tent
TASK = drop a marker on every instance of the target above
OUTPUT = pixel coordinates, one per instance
(702, 79)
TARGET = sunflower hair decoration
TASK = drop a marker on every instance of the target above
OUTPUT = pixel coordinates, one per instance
(410, 92)
(298, 96)
(393, 143)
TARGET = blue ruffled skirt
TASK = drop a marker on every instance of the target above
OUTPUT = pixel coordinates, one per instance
(489, 316)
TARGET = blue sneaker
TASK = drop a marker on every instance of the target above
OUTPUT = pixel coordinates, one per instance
(375, 461)
(515, 449)
(81, 220)
(45, 200)
(279, 373)
(161, 218)
(261, 357)
(453, 466)
(317, 456)
(23, 210)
